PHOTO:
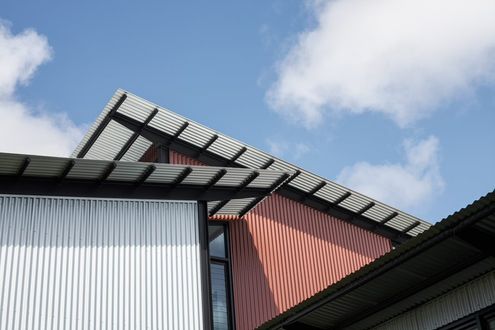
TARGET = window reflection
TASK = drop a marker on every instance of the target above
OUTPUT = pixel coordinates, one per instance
(219, 276)
(219, 297)
(217, 240)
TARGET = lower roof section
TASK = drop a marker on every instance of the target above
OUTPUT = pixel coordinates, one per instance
(449, 254)
(57, 176)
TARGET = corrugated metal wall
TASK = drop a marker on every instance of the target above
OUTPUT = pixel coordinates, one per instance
(454, 305)
(178, 158)
(99, 264)
(284, 252)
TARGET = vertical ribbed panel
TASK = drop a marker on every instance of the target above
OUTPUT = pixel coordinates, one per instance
(283, 252)
(178, 158)
(99, 264)
(151, 155)
(460, 302)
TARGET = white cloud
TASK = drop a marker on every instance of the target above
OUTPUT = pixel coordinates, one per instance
(402, 58)
(285, 148)
(409, 185)
(22, 129)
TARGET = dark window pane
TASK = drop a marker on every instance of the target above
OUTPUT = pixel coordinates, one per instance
(491, 323)
(219, 297)
(217, 240)
(467, 325)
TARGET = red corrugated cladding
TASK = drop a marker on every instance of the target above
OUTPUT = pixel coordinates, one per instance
(177, 158)
(284, 252)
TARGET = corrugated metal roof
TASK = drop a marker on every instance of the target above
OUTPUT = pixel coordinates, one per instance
(233, 179)
(109, 142)
(447, 255)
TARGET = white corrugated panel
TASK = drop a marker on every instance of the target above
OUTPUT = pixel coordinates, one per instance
(137, 150)
(99, 264)
(101, 117)
(110, 141)
(452, 306)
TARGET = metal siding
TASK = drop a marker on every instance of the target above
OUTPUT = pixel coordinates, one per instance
(178, 158)
(467, 299)
(284, 252)
(99, 264)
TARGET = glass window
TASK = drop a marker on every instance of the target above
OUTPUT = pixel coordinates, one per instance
(217, 240)
(219, 276)
(490, 323)
(219, 297)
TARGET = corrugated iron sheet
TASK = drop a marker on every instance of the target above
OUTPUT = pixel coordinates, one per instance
(99, 264)
(132, 172)
(178, 158)
(284, 252)
(452, 306)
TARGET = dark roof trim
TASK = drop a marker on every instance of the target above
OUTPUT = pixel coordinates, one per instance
(447, 228)
(58, 176)
(118, 189)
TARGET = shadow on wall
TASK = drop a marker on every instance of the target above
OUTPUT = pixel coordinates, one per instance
(284, 252)
(253, 296)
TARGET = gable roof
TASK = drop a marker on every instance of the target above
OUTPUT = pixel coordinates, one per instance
(129, 125)
(59, 176)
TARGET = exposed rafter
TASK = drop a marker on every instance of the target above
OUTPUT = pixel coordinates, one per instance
(342, 198)
(313, 191)
(135, 135)
(68, 167)
(236, 156)
(390, 217)
(366, 208)
(243, 185)
(107, 172)
(206, 146)
(267, 164)
(146, 174)
(101, 127)
(411, 227)
(255, 202)
(24, 166)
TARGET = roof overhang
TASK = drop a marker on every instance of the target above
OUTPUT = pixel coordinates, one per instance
(57, 176)
(129, 125)
(454, 251)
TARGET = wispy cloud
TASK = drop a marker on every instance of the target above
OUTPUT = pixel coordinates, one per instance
(22, 129)
(402, 58)
(407, 185)
(287, 149)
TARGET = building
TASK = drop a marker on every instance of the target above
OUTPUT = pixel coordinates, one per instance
(277, 234)
(443, 279)
(101, 244)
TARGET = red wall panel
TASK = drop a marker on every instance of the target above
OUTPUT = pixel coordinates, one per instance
(177, 158)
(151, 155)
(284, 252)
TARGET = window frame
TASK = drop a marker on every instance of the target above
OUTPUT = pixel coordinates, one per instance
(478, 318)
(226, 261)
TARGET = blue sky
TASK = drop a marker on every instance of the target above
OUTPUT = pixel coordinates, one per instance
(394, 101)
